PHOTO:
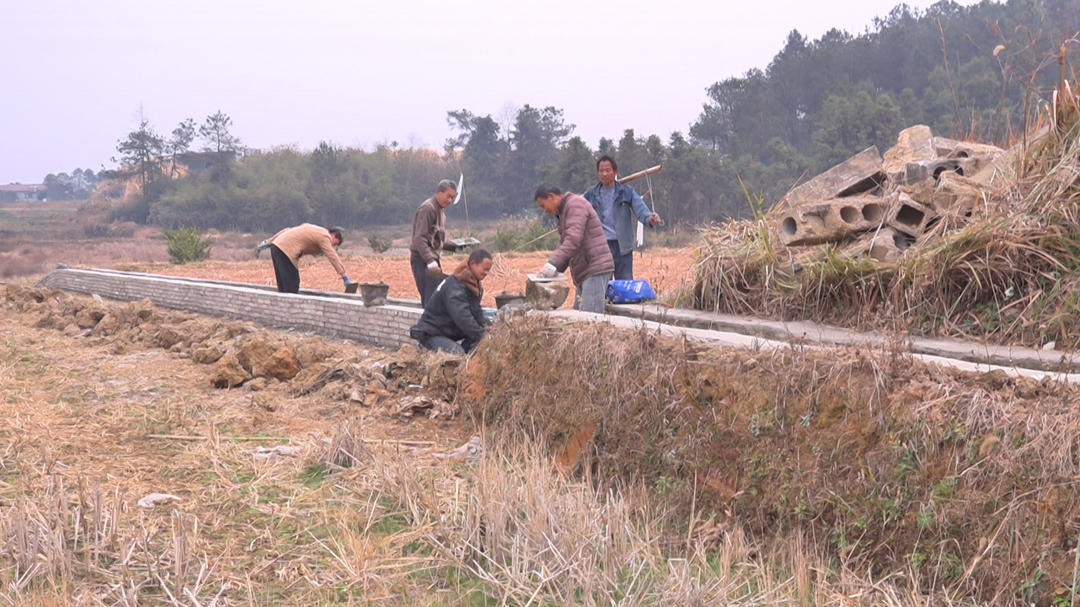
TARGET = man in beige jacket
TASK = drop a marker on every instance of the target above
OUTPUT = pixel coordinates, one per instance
(289, 245)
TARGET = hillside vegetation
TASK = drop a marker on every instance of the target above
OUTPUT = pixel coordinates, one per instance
(967, 72)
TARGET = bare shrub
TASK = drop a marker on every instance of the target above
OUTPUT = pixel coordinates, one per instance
(380, 243)
(97, 229)
(25, 261)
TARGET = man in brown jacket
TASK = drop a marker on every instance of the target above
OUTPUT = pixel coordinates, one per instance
(582, 247)
(428, 236)
(289, 245)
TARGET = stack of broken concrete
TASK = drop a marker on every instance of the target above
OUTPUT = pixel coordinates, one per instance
(879, 207)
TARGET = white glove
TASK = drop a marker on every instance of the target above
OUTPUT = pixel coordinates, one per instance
(549, 271)
(433, 265)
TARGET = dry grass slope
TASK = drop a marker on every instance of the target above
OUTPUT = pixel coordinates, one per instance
(963, 487)
(361, 510)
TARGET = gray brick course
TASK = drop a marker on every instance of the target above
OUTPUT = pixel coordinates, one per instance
(337, 316)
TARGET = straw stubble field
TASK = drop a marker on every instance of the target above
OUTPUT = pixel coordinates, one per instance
(91, 425)
(696, 476)
(305, 490)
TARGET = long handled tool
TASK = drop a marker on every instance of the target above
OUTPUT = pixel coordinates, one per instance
(645, 173)
(640, 174)
(649, 192)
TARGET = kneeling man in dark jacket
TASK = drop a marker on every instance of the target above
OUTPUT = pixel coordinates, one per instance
(453, 320)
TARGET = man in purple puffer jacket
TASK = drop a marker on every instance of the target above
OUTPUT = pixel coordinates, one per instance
(583, 247)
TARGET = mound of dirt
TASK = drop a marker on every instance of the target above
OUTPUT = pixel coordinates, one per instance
(242, 355)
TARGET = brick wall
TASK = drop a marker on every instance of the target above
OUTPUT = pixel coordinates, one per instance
(337, 315)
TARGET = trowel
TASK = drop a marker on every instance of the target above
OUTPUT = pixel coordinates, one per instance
(559, 277)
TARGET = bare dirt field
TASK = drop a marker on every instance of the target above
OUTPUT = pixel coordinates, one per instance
(665, 269)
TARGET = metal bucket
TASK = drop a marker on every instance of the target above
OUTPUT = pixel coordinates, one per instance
(374, 293)
(512, 300)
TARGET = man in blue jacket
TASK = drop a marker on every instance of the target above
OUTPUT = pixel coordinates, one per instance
(617, 204)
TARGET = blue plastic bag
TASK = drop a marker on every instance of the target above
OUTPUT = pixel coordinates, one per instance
(629, 291)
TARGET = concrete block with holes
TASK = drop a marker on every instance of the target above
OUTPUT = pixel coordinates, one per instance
(910, 217)
(889, 245)
(914, 144)
(957, 196)
(859, 174)
(885, 245)
(951, 148)
(832, 220)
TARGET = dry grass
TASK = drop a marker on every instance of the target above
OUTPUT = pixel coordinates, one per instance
(93, 423)
(961, 486)
(713, 478)
(1009, 274)
(518, 531)
(23, 261)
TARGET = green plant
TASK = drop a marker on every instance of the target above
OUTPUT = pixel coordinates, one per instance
(539, 237)
(379, 243)
(944, 489)
(524, 234)
(505, 239)
(918, 559)
(187, 244)
(925, 519)
(756, 201)
(1033, 587)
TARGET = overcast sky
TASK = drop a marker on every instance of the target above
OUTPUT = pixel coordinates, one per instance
(76, 74)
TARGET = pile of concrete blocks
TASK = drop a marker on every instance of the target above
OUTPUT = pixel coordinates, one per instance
(878, 206)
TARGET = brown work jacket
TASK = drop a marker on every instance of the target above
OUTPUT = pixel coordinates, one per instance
(583, 247)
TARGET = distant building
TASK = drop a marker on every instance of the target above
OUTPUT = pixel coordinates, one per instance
(21, 192)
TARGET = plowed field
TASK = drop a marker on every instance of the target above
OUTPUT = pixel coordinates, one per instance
(665, 269)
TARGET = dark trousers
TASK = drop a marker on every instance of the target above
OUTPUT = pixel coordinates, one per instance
(445, 344)
(624, 264)
(285, 273)
(424, 283)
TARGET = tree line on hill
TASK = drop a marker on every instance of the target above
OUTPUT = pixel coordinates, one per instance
(77, 185)
(968, 72)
